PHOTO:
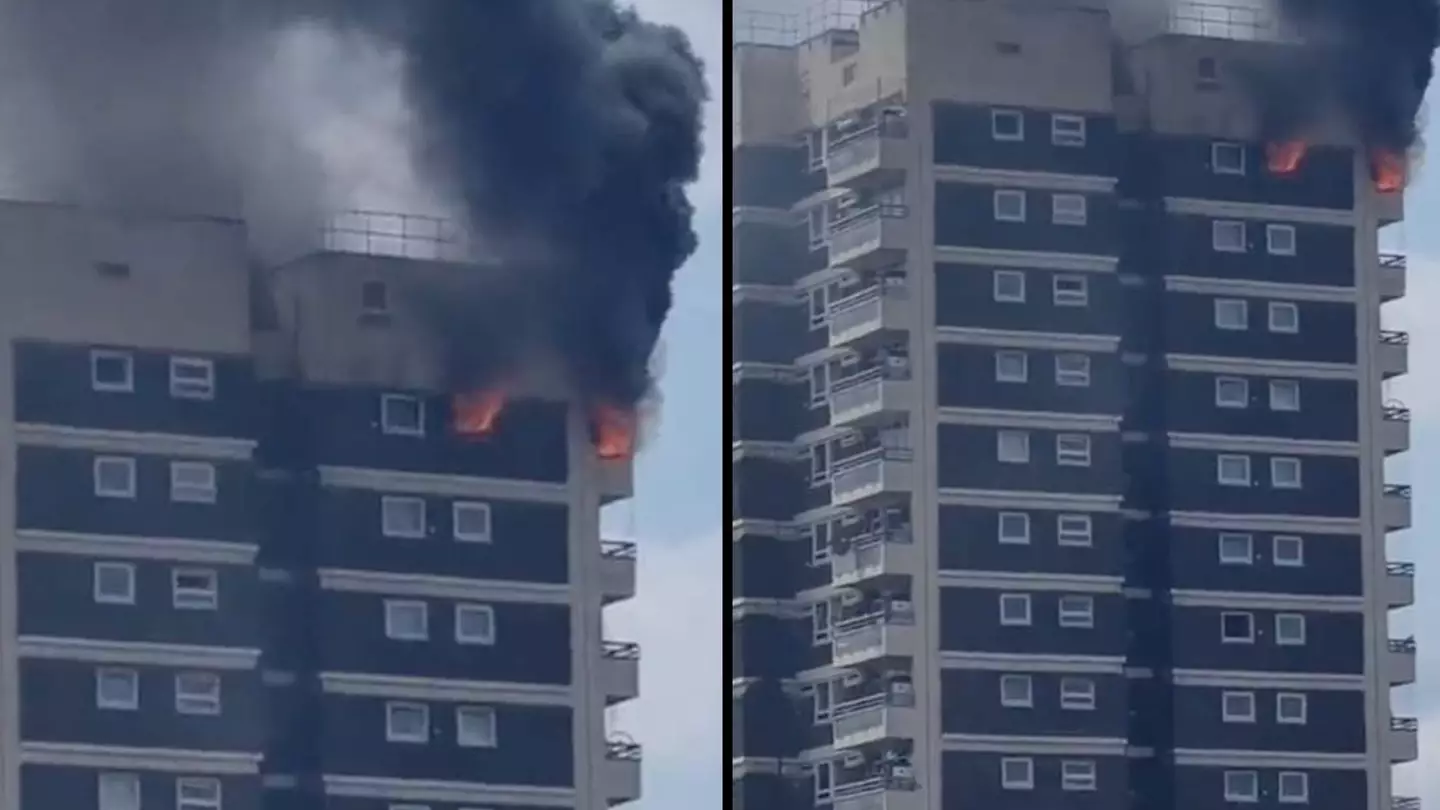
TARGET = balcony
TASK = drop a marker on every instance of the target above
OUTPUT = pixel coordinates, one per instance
(870, 397)
(1400, 661)
(1390, 276)
(1395, 507)
(874, 474)
(893, 792)
(1395, 428)
(889, 715)
(873, 157)
(883, 634)
(617, 570)
(1404, 741)
(619, 674)
(889, 552)
(1400, 584)
(1393, 353)
(870, 315)
(873, 237)
(620, 775)
(1404, 803)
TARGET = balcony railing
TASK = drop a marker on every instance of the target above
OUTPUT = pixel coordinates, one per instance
(409, 236)
(1400, 569)
(864, 390)
(863, 146)
(1402, 645)
(866, 552)
(620, 650)
(618, 549)
(860, 633)
(1393, 261)
(623, 750)
(1404, 803)
(859, 229)
(1394, 337)
(1395, 412)
(1404, 724)
(865, 306)
(864, 469)
(1398, 491)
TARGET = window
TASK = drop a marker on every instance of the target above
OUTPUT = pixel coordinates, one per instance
(1072, 370)
(1015, 609)
(1242, 786)
(471, 521)
(112, 371)
(407, 722)
(1232, 392)
(819, 383)
(192, 481)
(1294, 787)
(1070, 291)
(847, 74)
(1009, 286)
(819, 463)
(1067, 130)
(823, 694)
(1014, 528)
(1077, 774)
(1073, 530)
(1232, 314)
(1007, 125)
(1290, 707)
(194, 589)
(1017, 773)
(197, 793)
(824, 781)
(1227, 158)
(475, 727)
(119, 791)
(401, 415)
(1077, 694)
(1284, 395)
(1016, 691)
(197, 693)
(402, 516)
(1012, 446)
(117, 688)
(1288, 550)
(192, 378)
(819, 306)
(114, 583)
(1009, 205)
(115, 477)
(1237, 628)
(820, 544)
(1236, 549)
(1285, 473)
(1227, 236)
(1077, 611)
(1072, 450)
(374, 298)
(1289, 629)
(1280, 240)
(820, 621)
(1207, 71)
(474, 624)
(1012, 366)
(407, 620)
(1232, 471)
(1238, 707)
(1068, 209)
(1284, 317)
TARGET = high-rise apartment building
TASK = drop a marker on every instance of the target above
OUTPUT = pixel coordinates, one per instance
(245, 560)
(1059, 421)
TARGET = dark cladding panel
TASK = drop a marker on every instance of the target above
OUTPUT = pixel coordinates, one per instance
(767, 489)
(1087, 304)
(965, 217)
(772, 175)
(966, 379)
(970, 540)
(964, 137)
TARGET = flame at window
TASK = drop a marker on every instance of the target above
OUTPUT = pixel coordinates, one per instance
(1284, 157)
(476, 413)
(614, 431)
(1388, 170)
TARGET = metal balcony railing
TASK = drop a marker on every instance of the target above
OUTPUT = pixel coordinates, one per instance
(1400, 569)
(1394, 337)
(1394, 261)
(620, 650)
(406, 236)
(1398, 490)
(618, 549)
(864, 306)
(1227, 21)
(1404, 803)
(1402, 645)
(624, 750)
(1404, 724)
(1395, 412)
(863, 145)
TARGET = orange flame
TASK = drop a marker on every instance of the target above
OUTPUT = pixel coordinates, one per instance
(1284, 157)
(1389, 171)
(476, 412)
(615, 430)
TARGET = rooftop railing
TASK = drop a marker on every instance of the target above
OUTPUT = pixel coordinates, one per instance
(404, 236)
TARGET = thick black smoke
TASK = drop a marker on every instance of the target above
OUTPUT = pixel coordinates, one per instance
(566, 130)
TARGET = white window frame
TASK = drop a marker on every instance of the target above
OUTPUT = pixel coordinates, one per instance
(1227, 306)
(998, 115)
(1078, 373)
(1078, 452)
(1069, 209)
(477, 508)
(819, 462)
(1026, 783)
(1076, 611)
(126, 463)
(1077, 694)
(127, 360)
(1273, 233)
(109, 786)
(1278, 463)
(1012, 366)
(1012, 458)
(1079, 534)
(820, 621)
(392, 734)
(1299, 699)
(1067, 130)
(99, 594)
(201, 386)
(188, 598)
(1300, 777)
(997, 286)
(1218, 166)
(1252, 780)
(823, 778)
(1070, 298)
(819, 383)
(1298, 620)
(1238, 385)
(488, 721)
(1015, 599)
(1287, 561)
(1250, 622)
(1277, 324)
(1279, 402)
(1233, 559)
(1221, 229)
(394, 609)
(209, 786)
(1011, 195)
(1078, 774)
(818, 302)
(387, 425)
(193, 492)
(201, 702)
(822, 699)
(390, 528)
(461, 637)
(1021, 519)
(1013, 701)
(126, 704)
(1242, 701)
(1233, 481)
